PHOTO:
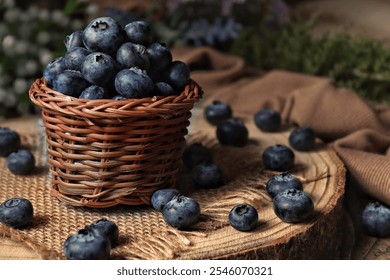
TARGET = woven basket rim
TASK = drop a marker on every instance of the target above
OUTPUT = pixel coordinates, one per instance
(53, 101)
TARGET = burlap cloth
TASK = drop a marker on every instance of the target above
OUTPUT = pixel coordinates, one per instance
(358, 131)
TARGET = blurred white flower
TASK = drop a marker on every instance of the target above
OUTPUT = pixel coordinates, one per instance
(8, 3)
(20, 86)
(32, 12)
(43, 14)
(21, 47)
(31, 67)
(9, 98)
(92, 9)
(8, 42)
(57, 16)
(45, 56)
(2, 94)
(12, 15)
(43, 37)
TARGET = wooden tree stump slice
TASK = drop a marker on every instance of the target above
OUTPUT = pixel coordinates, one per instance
(145, 235)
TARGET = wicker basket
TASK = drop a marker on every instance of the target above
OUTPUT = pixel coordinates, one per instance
(107, 152)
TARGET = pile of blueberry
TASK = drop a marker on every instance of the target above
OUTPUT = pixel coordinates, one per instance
(93, 242)
(19, 161)
(106, 61)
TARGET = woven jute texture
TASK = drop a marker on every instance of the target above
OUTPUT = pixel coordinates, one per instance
(144, 234)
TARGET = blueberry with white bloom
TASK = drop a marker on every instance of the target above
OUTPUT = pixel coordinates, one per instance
(74, 40)
(133, 83)
(54, 68)
(70, 82)
(75, 57)
(99, 68)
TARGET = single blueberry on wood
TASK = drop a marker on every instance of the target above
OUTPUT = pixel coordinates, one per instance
(9, 141)
(243, 217)
(376, 220)
(181, 212)
(217, 111)
(17, 212)
(293, 206)
(278, 158)
(282, 182)
(232, 132)
(268, 120)
(302, 138)
(107, 228)
(207, 175)
(161, 197)
(21, 162)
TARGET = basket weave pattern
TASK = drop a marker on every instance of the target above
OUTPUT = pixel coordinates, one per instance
(107, 152)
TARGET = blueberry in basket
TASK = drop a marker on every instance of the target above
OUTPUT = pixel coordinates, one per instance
(138, 32)
(74, 40)
(293, 206)
(133, 83)
(107, 228)
(99, 69)
(282, 182)
(243, 217)
(181, 212)
(9, 141)
(161, 197)
(95, 92)
(21, 162)
(164, 89)
(376, 220)
(70, 82)
(87, 244)
(133, 55)
(54, 68)
(195, 154)
(160, 57)
(178, 75)
(217, 111)
(302, 138)
(268, 120)
(17, 212)
(75, 57)
(207, 175)
(232, 132)
(278, 158)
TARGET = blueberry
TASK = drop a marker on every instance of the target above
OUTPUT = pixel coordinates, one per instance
(161, 197)
(75, 57)
(9, 141)
(178, 75)
(159, 56)
(181, 212)
(54, 68)
(278, 158)
(94, 92)
(268, 120)
(138, 32)
(207, 175)
(282, 182)
(74, 40)
(132, 55)
(99, 69)
(302, 138)
(243, 217)
(103, 34)
(293, 206)
(232, 132)
(16, 212)
(376, 220)
(217, 111)
(133, 83)
(70, 82)
(107, 229)
(87, 244)
(21, 162)
(164, 89)
(118, 97)
(195, 154)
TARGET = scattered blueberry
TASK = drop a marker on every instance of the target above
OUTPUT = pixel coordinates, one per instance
(108, 229)
(217, 111)
(207, 175)
(21, 162)
(376, 220)
(195, 154)
(181, 212)
(138, 32)
(54, 68)
(178, 75)
(133, 83)
(9, 141)
(132, 55)
(302, 138)
(278, 158)
(103, 34)
(159, 56)
(70, 82)
(74, 40)
(16, 212)
(232, 132)
(268, 120)
(94, 92)
(74, 58)
(293, 206)
(243, 217)
(87, 245)
(161, 197)
(99, 69)
(164, 89)
(282, 182)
